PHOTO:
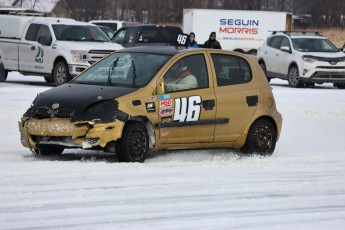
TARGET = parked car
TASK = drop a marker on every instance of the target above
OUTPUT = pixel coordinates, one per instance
(56, 48)
(147, 35)
(302, 59)
(126, 104)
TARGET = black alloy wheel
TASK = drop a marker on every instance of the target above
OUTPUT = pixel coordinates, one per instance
(134, 143)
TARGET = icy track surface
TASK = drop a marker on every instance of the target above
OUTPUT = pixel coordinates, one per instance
(302, 186)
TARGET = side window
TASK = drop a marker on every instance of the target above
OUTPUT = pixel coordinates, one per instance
(43, 35)
(148, 35)
(32, 32)
(130, 36)
(187, 73)
(231, 70)
(269, 41)
(285, 43)
(276, 41)
(119, 37)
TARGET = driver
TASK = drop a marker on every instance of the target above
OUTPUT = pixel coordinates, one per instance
(180, 78)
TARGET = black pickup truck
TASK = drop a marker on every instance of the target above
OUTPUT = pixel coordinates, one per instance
(146, 35)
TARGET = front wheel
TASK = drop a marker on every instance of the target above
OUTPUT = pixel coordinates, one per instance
(49, 79)
(261, 138)
(293, 77)
(134, 143)
(61, 73)
(49, 150)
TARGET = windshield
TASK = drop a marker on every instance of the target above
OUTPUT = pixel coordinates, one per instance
(313, 45)
(133, 70)
(79, 33)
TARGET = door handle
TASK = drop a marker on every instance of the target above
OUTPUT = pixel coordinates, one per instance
(208, 104)
(33, 47)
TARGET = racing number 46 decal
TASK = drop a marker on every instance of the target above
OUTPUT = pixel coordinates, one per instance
(187, 109)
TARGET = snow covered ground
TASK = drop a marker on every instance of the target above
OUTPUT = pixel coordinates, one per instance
(302, 186)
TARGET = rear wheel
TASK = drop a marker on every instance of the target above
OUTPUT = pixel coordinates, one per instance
(339, 85)
(61, 73)
(261, 138)
(293, 77)
(134, 144)
(49, 150)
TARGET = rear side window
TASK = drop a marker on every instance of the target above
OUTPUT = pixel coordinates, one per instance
(231, 70)
(276, 41)
(32, 32)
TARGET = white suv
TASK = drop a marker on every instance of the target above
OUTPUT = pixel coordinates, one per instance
(302, 59)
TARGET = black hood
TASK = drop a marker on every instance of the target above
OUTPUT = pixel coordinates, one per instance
(74, 98)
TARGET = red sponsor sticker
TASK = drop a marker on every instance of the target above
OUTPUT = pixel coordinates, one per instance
(165, 103)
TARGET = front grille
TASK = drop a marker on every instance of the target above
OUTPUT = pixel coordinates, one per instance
(95, 55)
(331, 67)
(48, 112)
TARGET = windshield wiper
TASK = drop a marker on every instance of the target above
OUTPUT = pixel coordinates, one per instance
(111, 70)
(134, 73)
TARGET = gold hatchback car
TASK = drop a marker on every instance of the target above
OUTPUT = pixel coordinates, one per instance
(152, 98)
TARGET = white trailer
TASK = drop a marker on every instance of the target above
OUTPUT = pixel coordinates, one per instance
(238, 30)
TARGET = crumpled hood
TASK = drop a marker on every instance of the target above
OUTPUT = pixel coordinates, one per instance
(76, 97)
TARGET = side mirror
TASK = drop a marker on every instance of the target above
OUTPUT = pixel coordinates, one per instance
(44, 41)
(285, 49)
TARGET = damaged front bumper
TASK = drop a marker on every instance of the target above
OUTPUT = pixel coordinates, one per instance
(63, 132)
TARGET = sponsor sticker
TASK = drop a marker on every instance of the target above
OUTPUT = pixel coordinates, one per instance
(163, 97)
(150, 107)
(152, 98)
(166, 112)
(167, 119)
(165, 103)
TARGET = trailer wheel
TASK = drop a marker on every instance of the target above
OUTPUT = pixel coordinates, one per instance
(339, 85)
(3, 73)
(61, 73)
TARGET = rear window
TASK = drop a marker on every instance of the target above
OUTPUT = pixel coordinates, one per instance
(159, 35)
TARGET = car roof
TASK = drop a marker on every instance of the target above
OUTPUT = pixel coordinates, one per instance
(167, 50)
(151, 25)
(299, 34)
